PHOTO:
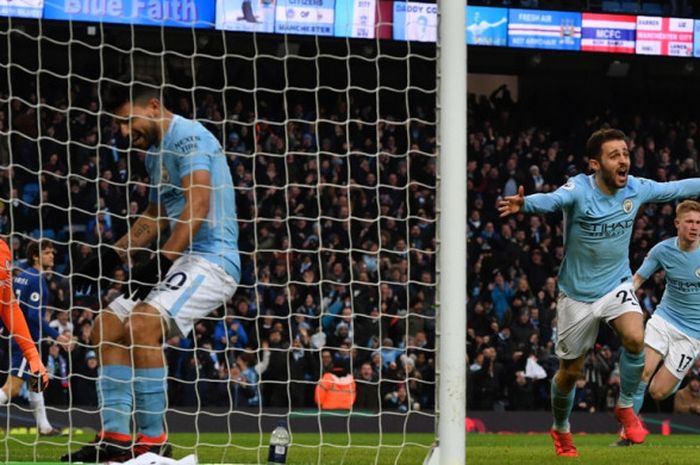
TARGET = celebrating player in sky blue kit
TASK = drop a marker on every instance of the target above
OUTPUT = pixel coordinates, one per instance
(595, 278)
(32, 293)
(194, 272)
(673, 332)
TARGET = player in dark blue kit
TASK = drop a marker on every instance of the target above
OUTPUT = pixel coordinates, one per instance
(32, 292)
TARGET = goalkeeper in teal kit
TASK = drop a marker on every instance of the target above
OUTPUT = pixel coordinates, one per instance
(595, 279)
(193, 272)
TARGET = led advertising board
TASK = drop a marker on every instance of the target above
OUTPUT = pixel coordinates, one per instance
(554, 30)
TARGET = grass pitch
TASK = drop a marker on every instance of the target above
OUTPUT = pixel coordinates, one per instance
(219, 448)
(594, 449)
(387, 449)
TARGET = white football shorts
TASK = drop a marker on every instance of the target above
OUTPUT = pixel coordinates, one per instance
(192, 289)
(678, 349)
(577, 322)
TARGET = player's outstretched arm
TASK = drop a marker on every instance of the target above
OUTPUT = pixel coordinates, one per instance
(513, 203)
(654, 191)
(539, 203)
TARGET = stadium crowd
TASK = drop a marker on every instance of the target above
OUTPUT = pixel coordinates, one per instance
(337, 228)
(513, 262)
(337, 250)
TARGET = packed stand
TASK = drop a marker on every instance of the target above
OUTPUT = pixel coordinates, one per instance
(337, 239)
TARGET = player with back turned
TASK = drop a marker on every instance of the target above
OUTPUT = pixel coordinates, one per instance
(595, 278)
(195, 271)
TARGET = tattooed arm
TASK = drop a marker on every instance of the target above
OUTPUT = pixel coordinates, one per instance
(142, 232)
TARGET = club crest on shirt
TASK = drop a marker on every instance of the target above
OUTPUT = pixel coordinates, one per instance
(164, 175)
(697, 272)
(569, 186)
(627, 205)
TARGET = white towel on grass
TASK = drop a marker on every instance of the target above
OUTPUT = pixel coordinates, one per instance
(150, 458)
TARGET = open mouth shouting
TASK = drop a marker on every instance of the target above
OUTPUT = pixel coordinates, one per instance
(621, 175)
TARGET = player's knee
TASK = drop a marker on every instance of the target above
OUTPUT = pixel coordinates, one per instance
(657, 393)
(107, 328)
(144, 329)
(634, 343)
(137, 331)
(567, 376)
(15, 389)
(647, 374)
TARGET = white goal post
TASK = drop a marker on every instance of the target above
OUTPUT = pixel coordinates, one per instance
(452, 253)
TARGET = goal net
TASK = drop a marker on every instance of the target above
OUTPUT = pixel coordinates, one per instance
(326, 115)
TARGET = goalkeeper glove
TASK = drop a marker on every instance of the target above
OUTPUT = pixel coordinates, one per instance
(148, 274)
(86, 278)
(39, 379)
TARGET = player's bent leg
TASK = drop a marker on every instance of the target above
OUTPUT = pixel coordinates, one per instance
(36, 402)
(652, 358)
(577, 328)
(114, 398)
(562, 396)
(115, 375)
(664, 384)
(12, 387)
(109, 336)
(145, 330)
(630, 327)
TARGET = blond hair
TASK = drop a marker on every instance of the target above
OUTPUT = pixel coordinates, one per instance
(687, 206)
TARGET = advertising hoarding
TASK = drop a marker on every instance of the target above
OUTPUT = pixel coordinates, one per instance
(415, 21)
(664, 36)
(487, 26)
(174, 13)
(311, 17)
(246, 15)
(608, 33)
(553, 30)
